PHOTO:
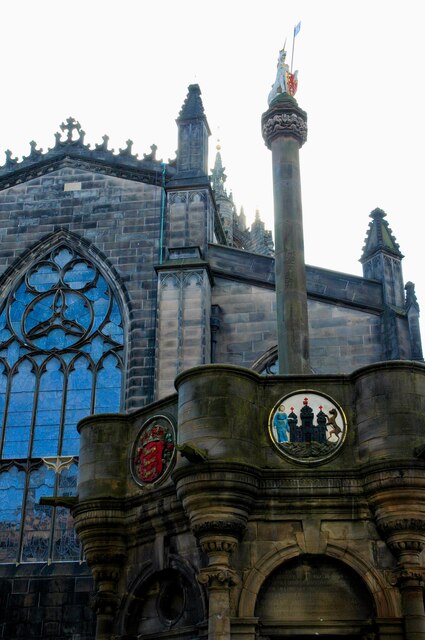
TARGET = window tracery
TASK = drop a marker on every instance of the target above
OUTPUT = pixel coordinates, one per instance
(61, 351)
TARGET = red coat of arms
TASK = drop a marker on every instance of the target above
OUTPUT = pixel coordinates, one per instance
(153, 452)
(291, 83)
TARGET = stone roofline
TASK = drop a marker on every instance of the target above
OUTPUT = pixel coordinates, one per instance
(73, 151)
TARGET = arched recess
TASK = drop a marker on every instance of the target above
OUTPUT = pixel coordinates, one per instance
(169, 599)
(385, 597)
(62, 357)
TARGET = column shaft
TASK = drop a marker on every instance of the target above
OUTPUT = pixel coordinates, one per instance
(291, 292)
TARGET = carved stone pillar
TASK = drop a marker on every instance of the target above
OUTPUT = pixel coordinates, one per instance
(218, 540)
(411, 585)
(406, 539)
(284, 128)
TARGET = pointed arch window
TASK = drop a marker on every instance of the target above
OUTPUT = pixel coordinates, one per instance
(61, 359)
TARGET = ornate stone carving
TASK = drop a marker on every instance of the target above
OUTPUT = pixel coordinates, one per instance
(405, 537)
(227, 527)
(214, 546)
(285, 124)
(217, 576)
(402, 524)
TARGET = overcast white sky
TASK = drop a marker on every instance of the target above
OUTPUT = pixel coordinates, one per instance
(123, 68)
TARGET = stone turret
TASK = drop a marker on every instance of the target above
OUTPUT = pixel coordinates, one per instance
(381, 260)
(192, 152)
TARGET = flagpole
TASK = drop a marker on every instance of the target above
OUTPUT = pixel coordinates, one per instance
(293, 46)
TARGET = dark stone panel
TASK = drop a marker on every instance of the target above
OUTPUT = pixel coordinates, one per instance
(46, 602)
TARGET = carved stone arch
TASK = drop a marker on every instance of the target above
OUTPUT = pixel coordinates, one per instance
(143, 599)
(264, 362)
(170, 279)
(193, 277)
(385, 597)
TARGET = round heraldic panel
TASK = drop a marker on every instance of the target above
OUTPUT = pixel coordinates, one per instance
(307, 427)
(154, 451)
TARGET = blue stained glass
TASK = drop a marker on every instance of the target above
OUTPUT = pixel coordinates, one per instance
(38, 519)
(56, 339)
(19, 416)
(41, 312)
(44, 278)
(4, 336)
(65, 541)
(79, 275)
(12, 484)
(99, 291)
(108, 386)
(77, 310)
(63, 256)
(96, 348)
(49, 409)
(22, 295)
(13, 353)
(63, 303)
(78, 404)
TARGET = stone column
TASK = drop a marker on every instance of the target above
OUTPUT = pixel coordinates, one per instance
(406, 539)
(411, 584)
(284, 128)
(218, 541)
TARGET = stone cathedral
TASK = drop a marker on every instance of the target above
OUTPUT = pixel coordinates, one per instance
(201, 436)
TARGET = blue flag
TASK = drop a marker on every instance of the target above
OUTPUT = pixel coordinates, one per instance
(297, 28)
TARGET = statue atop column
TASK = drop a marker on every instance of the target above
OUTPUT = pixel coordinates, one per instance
(286, 81)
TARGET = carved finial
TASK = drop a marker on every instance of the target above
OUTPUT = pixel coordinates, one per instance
(71, 125)
(34, 152)
(152, 155)
(127, 150)
(10, 162)
(411, 299)
(104, 145)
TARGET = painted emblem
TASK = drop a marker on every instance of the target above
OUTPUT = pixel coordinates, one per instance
(291, 83)
(153, 451)
(307, 427)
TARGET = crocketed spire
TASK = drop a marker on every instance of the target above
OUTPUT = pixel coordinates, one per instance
(379, 237)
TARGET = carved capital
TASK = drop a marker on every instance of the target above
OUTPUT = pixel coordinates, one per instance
(405, 537)
(218, 577)
(407, 577)
(284, 123)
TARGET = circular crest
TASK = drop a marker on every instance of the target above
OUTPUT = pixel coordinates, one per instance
(307, 427)
(154, 451)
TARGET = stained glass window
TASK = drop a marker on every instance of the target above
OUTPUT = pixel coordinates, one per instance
(61, 359)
